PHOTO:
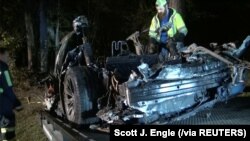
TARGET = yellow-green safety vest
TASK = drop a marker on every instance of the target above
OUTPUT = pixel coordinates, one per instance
(177, 25)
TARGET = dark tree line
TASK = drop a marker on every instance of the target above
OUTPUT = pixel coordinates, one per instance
(33, 29)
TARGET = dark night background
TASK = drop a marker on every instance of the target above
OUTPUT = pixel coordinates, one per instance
(207, 21)
(218, 21)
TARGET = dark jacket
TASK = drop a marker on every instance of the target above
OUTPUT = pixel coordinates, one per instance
(8, 99)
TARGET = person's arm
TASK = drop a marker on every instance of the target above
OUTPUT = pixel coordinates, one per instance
(153, 29)
(181, 28)
(8, 89)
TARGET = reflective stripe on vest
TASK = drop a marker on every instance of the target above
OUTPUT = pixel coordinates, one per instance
(5, 130)
(7, 77)
(5, 133)
(1, 90)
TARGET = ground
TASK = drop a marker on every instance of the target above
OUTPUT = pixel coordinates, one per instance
(28, 127)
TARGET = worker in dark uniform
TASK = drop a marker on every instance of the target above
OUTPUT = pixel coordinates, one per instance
(8, 100)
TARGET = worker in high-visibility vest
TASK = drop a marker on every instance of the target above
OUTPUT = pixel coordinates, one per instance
(166, 29)
(8, 100)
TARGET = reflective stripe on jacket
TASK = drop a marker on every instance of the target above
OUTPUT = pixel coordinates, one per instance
(6, 76)
(9, 129)
(176, 25)
(8, 99)
(7, 133)
(1, 90)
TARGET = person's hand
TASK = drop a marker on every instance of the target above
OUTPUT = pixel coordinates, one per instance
(159, 30)
(151, 49)
(170, 43)
(179, 37)
(164, 28)
(151, 46)
(18, 105)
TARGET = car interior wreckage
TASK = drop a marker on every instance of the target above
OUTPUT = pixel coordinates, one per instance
(134, 87)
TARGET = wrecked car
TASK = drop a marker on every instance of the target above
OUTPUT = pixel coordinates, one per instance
(136, 88)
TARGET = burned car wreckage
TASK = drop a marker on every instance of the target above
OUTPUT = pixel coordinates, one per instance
(137, 88)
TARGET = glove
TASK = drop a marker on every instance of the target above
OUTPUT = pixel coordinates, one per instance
(179, 37)
(152, 46)
(165, 27)
(171, 45)
(158, 30)
(17, 105)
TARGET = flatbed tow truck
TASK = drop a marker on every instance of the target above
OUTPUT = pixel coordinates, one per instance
(56, 129)
(223, 114)
(138, 87)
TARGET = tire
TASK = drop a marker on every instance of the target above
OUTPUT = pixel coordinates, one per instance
(79, 96)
